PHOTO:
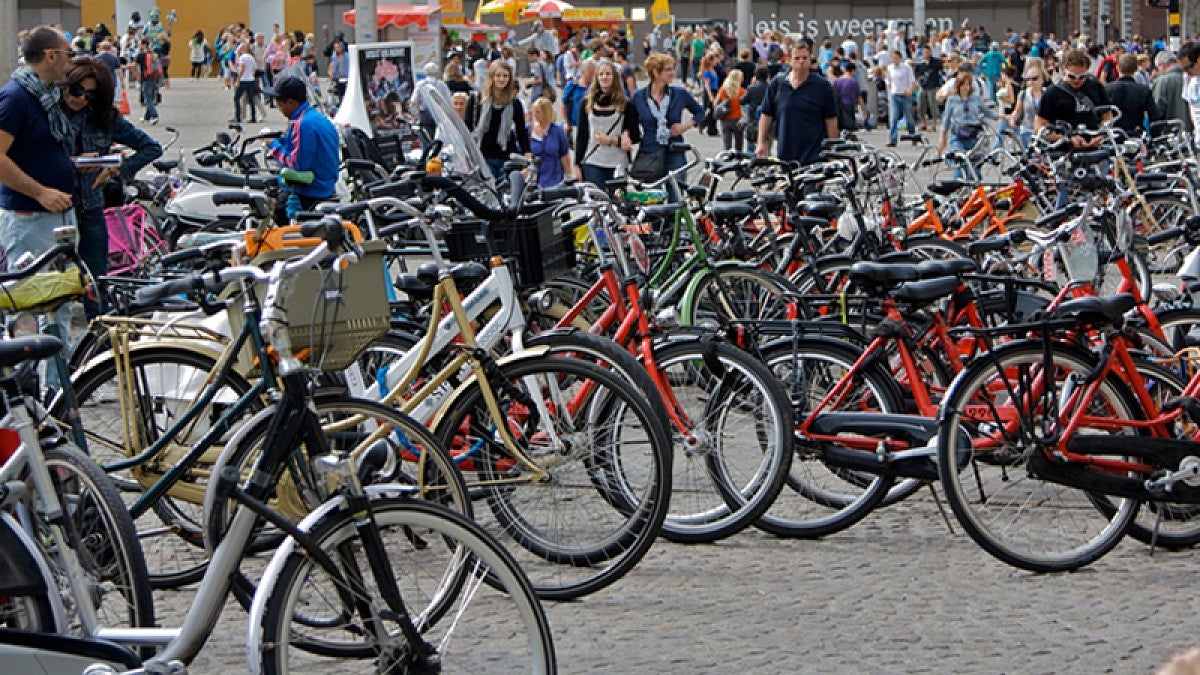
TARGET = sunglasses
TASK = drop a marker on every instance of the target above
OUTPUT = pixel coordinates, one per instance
(1032, 79)
(1073, 76)
(79, 91)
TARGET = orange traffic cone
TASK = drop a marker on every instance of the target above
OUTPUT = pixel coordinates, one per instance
(123, 106)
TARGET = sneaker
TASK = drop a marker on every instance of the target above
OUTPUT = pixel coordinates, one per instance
(154, 121)
(891, 144)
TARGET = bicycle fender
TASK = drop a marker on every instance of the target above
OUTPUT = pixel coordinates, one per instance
(1169, 192)
(211, 350)
(531, 353)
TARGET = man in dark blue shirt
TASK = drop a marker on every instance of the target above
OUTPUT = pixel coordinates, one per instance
(803, 103)
(36, 175)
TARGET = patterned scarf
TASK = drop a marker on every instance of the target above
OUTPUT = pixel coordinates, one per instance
(48, 97)
(662, 131)
(506, 124)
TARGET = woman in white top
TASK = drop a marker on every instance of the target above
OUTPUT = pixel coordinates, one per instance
(1028, 101)
(244, 67)
(607, 130)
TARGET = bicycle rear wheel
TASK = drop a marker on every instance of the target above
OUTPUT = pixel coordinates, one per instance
(994, 413)
(466, 595)
(734, 455)
(593, 500)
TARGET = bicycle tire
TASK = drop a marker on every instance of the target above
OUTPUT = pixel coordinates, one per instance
(31, 591)
(578, 529)
(166, 377)
(415, 458)
(1170, 213)
(1018, 518)
(1161, 523)
(731, 463)
(105, 542)
(439, 557)
(825, 497)
(753, 295)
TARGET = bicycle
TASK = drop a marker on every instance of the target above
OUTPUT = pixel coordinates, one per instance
(352, 579)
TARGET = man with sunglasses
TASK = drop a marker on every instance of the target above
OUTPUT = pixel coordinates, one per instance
(36, 176)
(1074, 100)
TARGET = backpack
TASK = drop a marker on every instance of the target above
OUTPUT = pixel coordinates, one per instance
(151, 67)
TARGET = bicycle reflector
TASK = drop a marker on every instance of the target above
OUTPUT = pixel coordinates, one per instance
(10, 440)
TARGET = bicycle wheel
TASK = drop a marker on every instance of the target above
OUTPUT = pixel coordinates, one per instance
(102, 534)
(1166, 213)
(933, 247)
(736, 450)
(403, 453)
(994, 408)
(439, 560)
(1166, 524)
(30, 590)
(164, 383)
(590, 500)
(825, 497)
(736, 294)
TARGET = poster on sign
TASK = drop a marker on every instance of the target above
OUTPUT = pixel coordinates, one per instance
(385, 76)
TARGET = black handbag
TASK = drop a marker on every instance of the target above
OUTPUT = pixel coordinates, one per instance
(648, 167)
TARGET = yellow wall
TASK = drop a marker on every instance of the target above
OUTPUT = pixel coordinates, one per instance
(209, 16)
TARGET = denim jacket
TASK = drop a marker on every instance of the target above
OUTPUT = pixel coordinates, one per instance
(92, 138)
(961, 113)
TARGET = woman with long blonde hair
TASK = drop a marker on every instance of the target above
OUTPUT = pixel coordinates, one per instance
(500, 129)
(607, 129)
(731, 124)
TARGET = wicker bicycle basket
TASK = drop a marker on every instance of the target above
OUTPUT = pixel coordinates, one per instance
(332, 318)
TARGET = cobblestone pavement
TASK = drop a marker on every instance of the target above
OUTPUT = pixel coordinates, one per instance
(897, 593)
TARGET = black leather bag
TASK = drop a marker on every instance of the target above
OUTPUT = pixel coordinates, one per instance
(648, 167)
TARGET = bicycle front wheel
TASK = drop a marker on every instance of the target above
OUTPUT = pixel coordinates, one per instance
(587, 496)
(101, 532)
(997, 414)
(466, 595)
(736, 294)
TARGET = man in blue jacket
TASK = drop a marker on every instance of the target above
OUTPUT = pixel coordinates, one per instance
(310, 144)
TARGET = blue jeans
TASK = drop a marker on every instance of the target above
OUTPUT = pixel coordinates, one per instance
(150, 98)
(33, 232)
(496, 166)
(900, 104)
(93, 248)
(599, 176)
(957, 144)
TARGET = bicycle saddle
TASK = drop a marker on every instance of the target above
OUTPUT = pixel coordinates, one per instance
(820, 209)
(165, 165)
(929, 269)
(29, 348)
(923, 292)
(1095, 310)
(727, 211)
(661, 211)
(735, 195)
(946, 188)
(224, 178)
(996, 243)
(773, 200)
(883, 273)
(1054, 218)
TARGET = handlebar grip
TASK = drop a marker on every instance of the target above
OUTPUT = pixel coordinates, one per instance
(560, 192)
(151, 295)
(182, 256)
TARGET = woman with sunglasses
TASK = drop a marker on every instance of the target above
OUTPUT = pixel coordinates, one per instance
(96, 126)
(1028, 101)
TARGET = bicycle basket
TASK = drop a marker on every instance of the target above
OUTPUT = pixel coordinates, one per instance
(332, 318)
(533, 246)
